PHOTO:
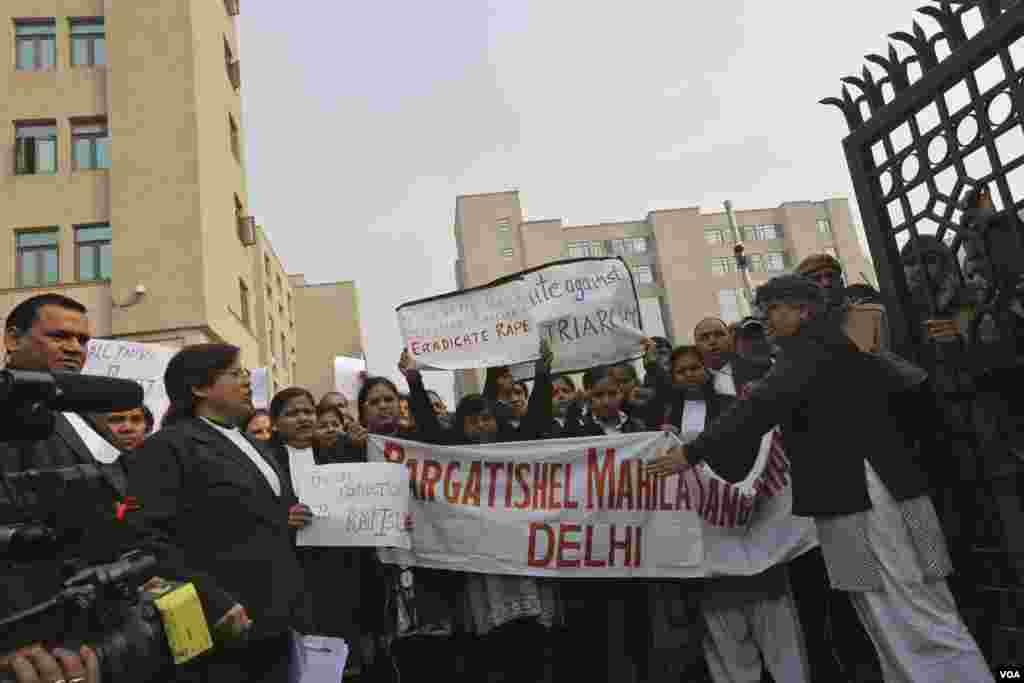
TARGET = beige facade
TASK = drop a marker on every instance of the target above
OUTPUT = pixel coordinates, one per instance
(139, 104)
(681, 259)
(329, 316)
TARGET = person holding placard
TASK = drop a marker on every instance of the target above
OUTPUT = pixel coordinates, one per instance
(333, 575)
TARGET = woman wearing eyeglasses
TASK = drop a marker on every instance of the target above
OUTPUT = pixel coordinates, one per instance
(224, 502)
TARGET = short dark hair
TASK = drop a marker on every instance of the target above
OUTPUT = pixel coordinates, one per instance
(191, 368)
(323, 399)
(470, 406)
(27, 312)
(685, 350)
(281, 399)
(364, 391)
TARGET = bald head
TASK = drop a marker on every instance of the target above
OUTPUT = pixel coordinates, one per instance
(713, 339)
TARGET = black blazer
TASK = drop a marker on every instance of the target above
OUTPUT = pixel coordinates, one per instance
(837, 407)
(214, 503)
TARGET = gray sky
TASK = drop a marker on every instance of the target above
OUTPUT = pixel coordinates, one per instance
(365, 120)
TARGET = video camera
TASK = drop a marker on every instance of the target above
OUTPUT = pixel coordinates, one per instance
(41, 511)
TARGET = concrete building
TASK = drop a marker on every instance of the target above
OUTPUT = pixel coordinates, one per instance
(681, 259)
(122, 181)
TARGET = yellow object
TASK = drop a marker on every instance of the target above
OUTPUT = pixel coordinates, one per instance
(184, 622)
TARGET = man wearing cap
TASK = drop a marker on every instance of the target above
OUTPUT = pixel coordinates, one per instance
(852, 445)
(864, 323)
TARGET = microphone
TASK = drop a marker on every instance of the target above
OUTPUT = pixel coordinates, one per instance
(63, 391)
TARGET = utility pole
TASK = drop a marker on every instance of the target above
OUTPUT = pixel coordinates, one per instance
(746, 298)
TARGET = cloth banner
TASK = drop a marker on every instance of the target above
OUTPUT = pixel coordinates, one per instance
(587, 310)
(354, 504)
(585, 508)
(144, 363)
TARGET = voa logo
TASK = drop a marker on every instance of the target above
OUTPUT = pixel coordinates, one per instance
(1009, 674)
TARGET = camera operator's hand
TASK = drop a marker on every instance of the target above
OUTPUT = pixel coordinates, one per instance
(36, 665)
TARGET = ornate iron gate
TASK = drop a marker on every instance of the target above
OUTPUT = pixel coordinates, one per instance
(934, 123)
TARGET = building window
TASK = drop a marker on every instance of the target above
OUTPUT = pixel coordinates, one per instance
(236, 144)
(93, 252)
(824, 227)
(36, 45)
(757, 233)
(507, 252)
(644, 275)
(35, 148)
(774, 262)
(585, 248)
(716, 236)
(729, 305)
(243, 301)
(88, 42)
(504, 224)
(38, 258)
(755, 263)
(90, 145)
(629, 245)
(720, 265)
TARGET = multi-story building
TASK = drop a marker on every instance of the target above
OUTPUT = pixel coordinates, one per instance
(122, 181)
(681, 259)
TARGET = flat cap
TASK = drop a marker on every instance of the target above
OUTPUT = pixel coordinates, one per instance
(789, 289)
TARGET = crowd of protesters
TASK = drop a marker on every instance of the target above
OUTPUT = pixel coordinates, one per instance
(871, 604)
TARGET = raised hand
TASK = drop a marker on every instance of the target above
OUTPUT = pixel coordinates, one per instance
(406, 363)
(672, 462)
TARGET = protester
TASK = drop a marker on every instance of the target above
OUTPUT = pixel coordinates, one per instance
(422, 608)
(877, 527)
(440, 409)
(330, 427)
(865, 323)
(752, 621)
(334, 399)
(564, 398)
(259, 426)
(333, 575)
(126, 429)
(199, 474)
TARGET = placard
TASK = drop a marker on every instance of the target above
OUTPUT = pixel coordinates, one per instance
(144, 363)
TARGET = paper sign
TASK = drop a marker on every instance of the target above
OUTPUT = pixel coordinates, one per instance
(478, 328)
(144, 363)
(348, 376)
(357, 504)
(586, 309)
(260, 381)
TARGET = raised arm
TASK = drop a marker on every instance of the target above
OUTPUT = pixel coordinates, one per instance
(428, 427)
(538, 410)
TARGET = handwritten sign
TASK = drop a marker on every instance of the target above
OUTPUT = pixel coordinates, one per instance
(491, 325)
(586, 309)
(357, 504)
(144, 363)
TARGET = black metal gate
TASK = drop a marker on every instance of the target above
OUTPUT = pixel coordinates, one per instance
(935, 120)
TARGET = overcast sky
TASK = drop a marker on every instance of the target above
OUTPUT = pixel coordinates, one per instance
(365, 120)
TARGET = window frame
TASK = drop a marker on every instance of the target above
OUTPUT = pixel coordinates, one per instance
(824, 227)
(90, 39)
(38, 251)
(20, 148)
(761, 232)
(770, 257)
(508, 252)
(94, 139)
(643, 268)
(35, 39)
(95, 246)
(728, 264)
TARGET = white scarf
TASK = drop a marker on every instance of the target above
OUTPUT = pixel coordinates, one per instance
(243, 445)
(101, 449)
(299, 459)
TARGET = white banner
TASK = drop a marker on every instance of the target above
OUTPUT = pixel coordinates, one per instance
(586, 309)
(585, 508)
(357, 504)
(144, 363)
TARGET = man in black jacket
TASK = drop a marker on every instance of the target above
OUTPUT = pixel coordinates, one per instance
(47, 333)
(856, 471)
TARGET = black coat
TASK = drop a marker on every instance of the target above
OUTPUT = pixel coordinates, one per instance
(105, 537)
(194, 485)
(837, 407)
